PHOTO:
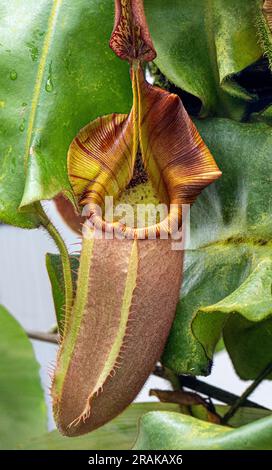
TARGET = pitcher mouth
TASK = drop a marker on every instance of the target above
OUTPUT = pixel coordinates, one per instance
(165, 229)
(143, 203)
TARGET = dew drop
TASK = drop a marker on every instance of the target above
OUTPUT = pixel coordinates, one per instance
(49, 83)
(33, 49)
(22, 126)
(13, 75)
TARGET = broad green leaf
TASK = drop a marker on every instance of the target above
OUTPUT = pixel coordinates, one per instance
(173, 431)
(243, 415)
(263, 116)
(22, 406)
(57, 74)
(55, 273)
(264, 23)
(202, 43)
(228, 267)
(220, 345)
(245, 316)
(119, 434)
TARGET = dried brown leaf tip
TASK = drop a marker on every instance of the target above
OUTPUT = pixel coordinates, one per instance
(130, 39)
(128, 287)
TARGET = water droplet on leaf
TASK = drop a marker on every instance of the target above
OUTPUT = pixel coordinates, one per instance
(49, 83)
(13, 75)
(33, 49)
(22, 125)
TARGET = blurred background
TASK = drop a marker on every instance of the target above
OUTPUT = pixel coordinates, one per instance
(25, 291)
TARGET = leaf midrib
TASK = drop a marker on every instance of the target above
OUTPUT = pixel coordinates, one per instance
(236, 242)
(40, 76)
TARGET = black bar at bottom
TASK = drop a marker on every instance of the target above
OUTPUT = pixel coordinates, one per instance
(117, 459)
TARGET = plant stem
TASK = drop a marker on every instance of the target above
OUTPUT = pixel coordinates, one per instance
(65, 259)
(243, 398)
(206, 389)
(40, 336)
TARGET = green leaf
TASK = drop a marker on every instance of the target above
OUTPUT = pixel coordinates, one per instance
(55, 273)
(264, 29)
(57, 74)
(220, 346)
(263, 116)
(22, 406)
(173, 431)
(118, 434)
(228, 267)
(245, 316)
(243, 415)
(202, 43)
